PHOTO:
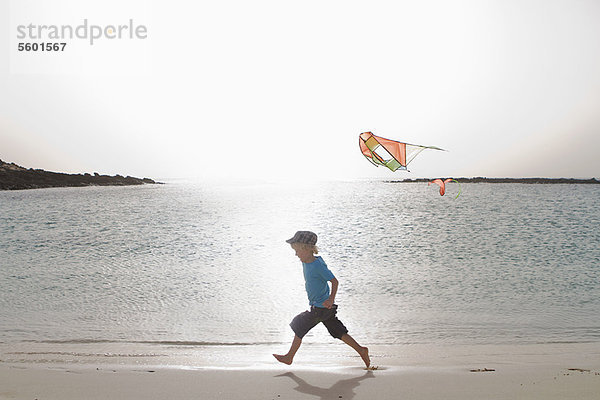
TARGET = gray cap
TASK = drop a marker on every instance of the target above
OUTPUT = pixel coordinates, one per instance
(306, 237)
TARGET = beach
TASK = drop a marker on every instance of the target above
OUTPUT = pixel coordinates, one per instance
(190, 295)
(544, 371)
(158, 158)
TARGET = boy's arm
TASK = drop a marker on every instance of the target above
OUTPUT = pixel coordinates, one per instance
(334, 286)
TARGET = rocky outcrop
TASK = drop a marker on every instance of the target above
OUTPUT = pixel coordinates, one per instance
(507, 180)
(15, 177)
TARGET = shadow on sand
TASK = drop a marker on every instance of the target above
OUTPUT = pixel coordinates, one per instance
(342, 389)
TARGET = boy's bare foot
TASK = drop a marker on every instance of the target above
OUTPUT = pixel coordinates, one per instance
(284, 359)
(364, 354)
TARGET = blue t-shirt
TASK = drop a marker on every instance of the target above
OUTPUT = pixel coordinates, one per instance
(316, 276)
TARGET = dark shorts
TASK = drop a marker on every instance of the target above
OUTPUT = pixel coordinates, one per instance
(307, 320)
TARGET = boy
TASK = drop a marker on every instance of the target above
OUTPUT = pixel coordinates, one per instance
(321, 299)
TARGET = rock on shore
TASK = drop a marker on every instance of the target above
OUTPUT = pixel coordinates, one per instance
(508, 180)
(15, 177)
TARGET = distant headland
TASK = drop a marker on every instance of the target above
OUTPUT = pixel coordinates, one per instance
(15, 177)
(481, 179)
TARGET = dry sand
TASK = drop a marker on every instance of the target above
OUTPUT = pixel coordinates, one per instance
(554, 371)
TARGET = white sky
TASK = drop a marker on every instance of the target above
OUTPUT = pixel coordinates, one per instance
(268, 89)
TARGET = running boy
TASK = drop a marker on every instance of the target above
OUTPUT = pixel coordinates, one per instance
(321, 299)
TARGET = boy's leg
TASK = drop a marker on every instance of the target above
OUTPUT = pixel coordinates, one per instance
(301, 324)
(289, 357)
(362, 351)
(337, 329)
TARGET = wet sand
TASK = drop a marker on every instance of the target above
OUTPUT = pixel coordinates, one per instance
(551, 371)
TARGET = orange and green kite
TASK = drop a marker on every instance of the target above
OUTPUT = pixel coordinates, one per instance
(389, 153)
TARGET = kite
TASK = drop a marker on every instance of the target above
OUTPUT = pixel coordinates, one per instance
(389, 153)
(442, 185)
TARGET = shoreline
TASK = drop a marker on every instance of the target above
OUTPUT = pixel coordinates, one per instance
(333, 355)
(529, 181)
(545, 371)
(15, 177)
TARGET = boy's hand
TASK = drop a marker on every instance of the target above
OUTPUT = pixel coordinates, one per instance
(328, 303)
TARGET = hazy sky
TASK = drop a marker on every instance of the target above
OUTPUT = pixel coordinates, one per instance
(268, 89)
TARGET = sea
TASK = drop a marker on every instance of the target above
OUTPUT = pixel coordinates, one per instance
(150, 270)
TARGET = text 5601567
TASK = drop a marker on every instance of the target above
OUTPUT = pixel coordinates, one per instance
(44, 46)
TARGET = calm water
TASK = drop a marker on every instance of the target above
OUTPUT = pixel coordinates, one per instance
(205, 264)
